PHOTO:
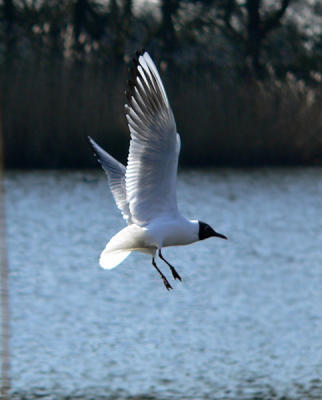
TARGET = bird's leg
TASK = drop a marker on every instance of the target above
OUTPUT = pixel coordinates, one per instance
(173, 270)
(165, 281)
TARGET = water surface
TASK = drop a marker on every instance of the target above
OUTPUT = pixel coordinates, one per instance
(245, 323)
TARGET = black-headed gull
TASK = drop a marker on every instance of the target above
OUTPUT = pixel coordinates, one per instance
(145, 190)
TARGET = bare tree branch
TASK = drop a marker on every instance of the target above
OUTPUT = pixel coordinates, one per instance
(232, 32)
(274, 19)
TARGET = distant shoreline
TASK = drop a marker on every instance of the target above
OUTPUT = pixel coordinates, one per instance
(49, 112)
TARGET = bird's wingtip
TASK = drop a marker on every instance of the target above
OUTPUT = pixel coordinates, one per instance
(94, 148)
(140, 52)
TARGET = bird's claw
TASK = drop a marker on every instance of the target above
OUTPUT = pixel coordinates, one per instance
(175, 274)
(166, 283)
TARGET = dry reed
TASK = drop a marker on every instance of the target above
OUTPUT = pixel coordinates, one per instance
(49, 111)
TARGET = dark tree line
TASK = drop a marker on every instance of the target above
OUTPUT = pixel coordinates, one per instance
(249, 38)
(249, 70)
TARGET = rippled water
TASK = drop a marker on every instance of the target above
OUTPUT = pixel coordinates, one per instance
(245, 323)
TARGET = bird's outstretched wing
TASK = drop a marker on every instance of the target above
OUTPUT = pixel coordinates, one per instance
(115, 172)
(154, 148)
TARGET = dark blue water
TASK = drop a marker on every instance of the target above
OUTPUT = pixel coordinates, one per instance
(245, 323)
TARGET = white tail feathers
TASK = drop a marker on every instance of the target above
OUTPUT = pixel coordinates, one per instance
(131, 238)
(111, 258)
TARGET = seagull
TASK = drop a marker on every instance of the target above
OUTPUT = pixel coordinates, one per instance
(145, 190)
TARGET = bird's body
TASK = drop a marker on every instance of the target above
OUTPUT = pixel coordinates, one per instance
(161, 232)
(145, 190)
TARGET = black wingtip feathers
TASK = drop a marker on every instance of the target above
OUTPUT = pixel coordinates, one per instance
(139, 53)
(133, 72)
(96, 156)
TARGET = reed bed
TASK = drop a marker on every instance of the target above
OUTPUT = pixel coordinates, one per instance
(49, 111)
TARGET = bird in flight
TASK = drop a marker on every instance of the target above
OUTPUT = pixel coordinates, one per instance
(145, 190)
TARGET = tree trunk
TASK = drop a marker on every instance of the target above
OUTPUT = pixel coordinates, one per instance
(9, 15)
(254, 37)
(167, 31)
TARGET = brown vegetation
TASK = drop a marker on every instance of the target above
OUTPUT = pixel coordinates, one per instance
(49, 112)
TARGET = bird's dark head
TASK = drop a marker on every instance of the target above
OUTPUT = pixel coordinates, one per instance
(206, 231)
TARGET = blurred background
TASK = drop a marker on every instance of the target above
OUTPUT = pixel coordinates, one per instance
(249, 70)
(244, 79)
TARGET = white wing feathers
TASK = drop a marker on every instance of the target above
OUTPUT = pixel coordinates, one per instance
(115, 172)
(146, 188)
(154, 148)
